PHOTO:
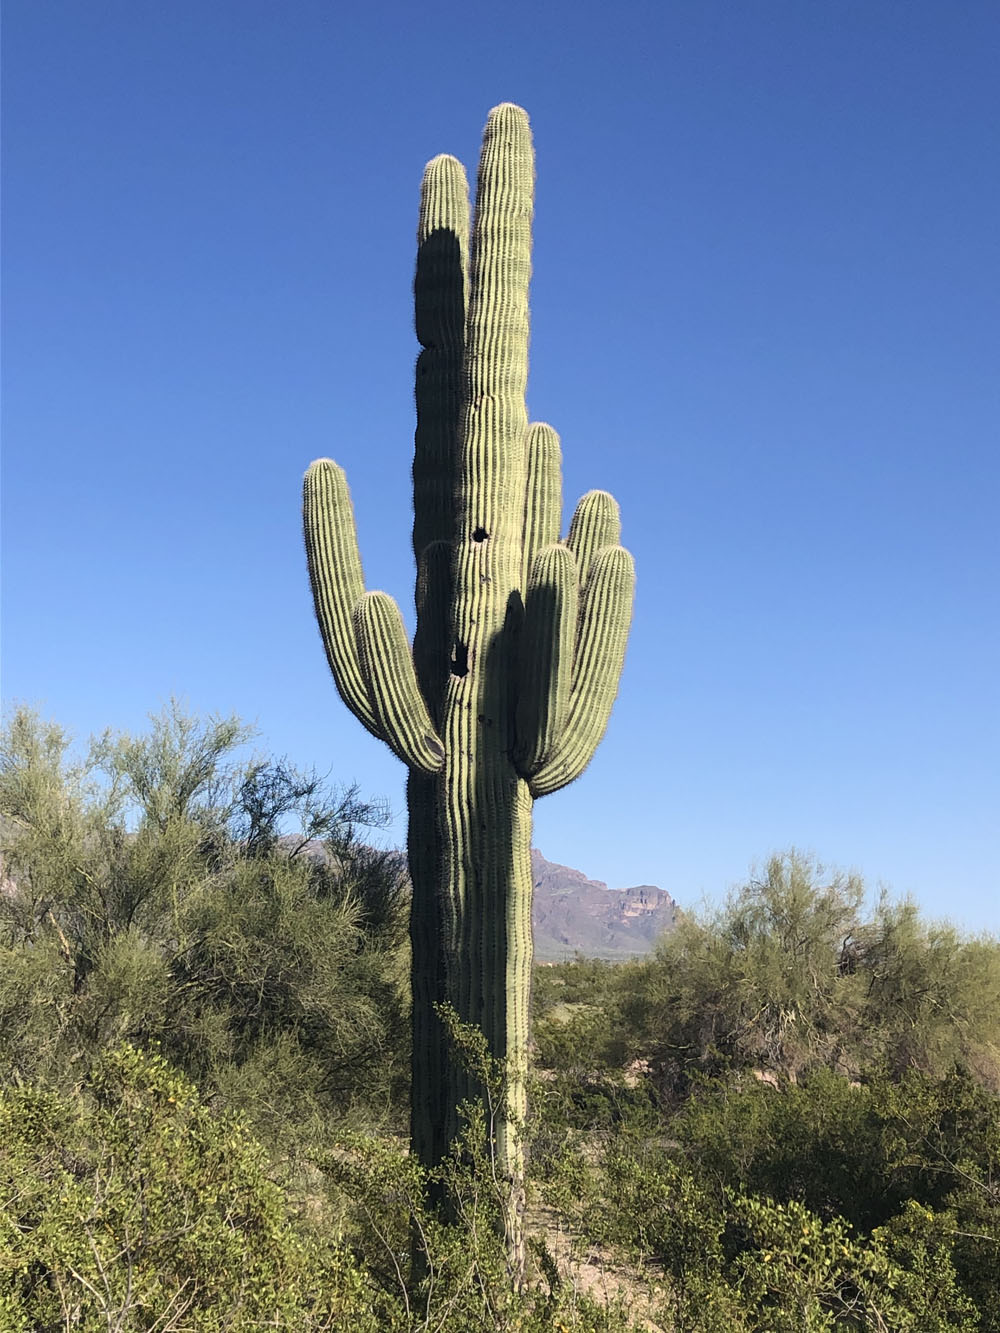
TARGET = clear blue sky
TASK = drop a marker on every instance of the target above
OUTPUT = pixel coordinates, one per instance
(765, 316)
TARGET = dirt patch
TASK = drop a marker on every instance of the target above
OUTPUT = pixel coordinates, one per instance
(592, 1271)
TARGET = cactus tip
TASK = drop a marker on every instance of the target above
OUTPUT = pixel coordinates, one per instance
(444, 164)
(509, 116)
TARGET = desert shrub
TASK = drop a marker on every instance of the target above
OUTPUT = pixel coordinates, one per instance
(856, 1151)
(574, 1088)
(140, 1208)
(587, 981)
(943, 1136)
(136, 1206)
(755, 982)
(794, 1271)
(932, 996)
(580, 1052)
(793, 975)
(730, 1259)
(154, 892)
(822, 1143)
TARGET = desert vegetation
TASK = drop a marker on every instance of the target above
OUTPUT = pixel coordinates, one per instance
(787, 1118)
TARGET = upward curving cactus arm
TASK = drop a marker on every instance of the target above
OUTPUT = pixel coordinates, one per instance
(605, 618)
(545, 675)
(363, 633)
(440, 289)
(395, 696)
(596, 524)
(542, 495)
(337, 581)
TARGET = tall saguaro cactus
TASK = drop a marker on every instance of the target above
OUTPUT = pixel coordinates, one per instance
(519, 642)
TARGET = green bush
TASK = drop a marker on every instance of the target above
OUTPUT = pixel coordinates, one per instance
(822, 1142)
(740, 1261)
(862, 1153)
(791, 975)
(137, 1207)
(140, 1208)
(579, 1053)
(797, 1273)
(151, 897)
(250, 1172)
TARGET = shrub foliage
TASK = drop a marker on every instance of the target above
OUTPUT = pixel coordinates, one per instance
(786, 1120)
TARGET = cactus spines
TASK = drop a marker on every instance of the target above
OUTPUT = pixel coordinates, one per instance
(519, 642)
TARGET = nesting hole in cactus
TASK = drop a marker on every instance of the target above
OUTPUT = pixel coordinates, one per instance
(460, 660)
(480, 535)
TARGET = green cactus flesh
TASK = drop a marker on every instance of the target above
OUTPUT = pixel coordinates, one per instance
(519, 642)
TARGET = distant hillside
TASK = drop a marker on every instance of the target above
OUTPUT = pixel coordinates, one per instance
(572, 914)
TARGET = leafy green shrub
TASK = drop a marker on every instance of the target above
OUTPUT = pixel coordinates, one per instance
(590, 981)
(791, 975)
(932, 996)
(795, 1272)
(864, 1154)
(943, 1136)
(821, 1142)
(579, 1052)
(139, 1208)
(144, 1209)
(151, 897)
(736, 1260)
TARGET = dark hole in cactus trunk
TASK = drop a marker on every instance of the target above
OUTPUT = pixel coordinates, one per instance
(480, 535)
(460, 660)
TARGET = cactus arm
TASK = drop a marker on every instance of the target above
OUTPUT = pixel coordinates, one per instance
(604, 624)
(395, 696)
(545, 674)
(596, 524)
(337, 581)
(542, 495)
(439, 299)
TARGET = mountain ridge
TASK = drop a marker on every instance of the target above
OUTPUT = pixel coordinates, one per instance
(574, 914)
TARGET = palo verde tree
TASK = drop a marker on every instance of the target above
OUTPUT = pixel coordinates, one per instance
(519, 642)
(153, 892)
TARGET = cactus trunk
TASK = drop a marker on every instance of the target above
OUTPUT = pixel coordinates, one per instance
(519, 641)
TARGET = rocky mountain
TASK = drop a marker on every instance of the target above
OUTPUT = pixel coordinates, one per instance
(574, 914)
